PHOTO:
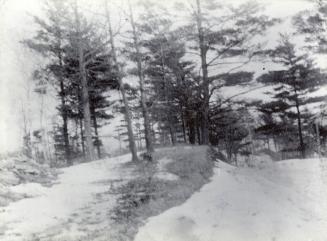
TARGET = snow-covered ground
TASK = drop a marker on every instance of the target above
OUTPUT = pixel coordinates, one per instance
(283, 201)
(280, 201)
(21, 176)
(73, 208)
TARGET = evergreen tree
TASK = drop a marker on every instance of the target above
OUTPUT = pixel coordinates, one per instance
(140, 73)
(221, 35)
(49, 41)
(79, 35)
(101, 79)
(292, 84)
(122, 85)
(276, 125)
(228, 132)
(312, 24)
(171, 85)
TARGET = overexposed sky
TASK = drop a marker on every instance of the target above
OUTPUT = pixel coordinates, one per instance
(17, 63)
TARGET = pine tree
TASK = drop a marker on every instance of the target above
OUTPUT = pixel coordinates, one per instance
(229, 132)
(276, 125)
(78, 38)
(101, 79)
(293, 84)
(312, 24)
(49, 41)
(169, 77)
(140, 73)
(119, 72)
(222, 34)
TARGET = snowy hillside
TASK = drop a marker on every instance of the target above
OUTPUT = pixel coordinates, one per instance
(282, 201)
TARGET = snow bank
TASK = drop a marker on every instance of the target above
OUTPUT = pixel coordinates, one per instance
(21, 169)
(29, 189)
(283, 201)
(16, 172)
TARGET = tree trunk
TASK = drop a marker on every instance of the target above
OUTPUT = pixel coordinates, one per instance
(183, 124)
(191, 125)
(128, 119)
(168, 113)
(65, 127)
(82, 135)
(302, 147)
(205, 84)
(64, 114)
(85, 92)
(147, 128)
(172, 135)
(297, 104)
(97, 140)
(318, 139)
(198, 129)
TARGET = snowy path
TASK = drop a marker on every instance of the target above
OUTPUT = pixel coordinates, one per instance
(283, 201)
(73, 208)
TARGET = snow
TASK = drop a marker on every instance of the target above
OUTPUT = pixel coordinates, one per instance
(162, 172)
(162, 163)
(8, 178)
(20, 169)
(78, 187)
(31, 189)
(166, 176)
(19, 178)
(278, 201)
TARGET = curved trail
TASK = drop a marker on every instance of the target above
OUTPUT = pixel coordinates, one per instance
(79, 204)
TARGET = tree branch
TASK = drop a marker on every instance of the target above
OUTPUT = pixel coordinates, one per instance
(239, 94)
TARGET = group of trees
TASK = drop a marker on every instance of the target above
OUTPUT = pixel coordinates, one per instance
(292, 87)
(289, 120)
(181, 68)
(81, 69)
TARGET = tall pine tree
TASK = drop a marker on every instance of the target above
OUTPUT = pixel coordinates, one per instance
(292, 84)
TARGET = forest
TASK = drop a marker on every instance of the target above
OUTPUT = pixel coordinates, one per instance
(180, 120)
(170, 66)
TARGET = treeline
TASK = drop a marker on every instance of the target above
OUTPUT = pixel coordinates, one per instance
(182, 57)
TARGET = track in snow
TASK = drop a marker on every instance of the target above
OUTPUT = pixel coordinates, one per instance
(78, 205)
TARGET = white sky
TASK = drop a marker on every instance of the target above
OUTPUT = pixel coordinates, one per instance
(16, 63)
